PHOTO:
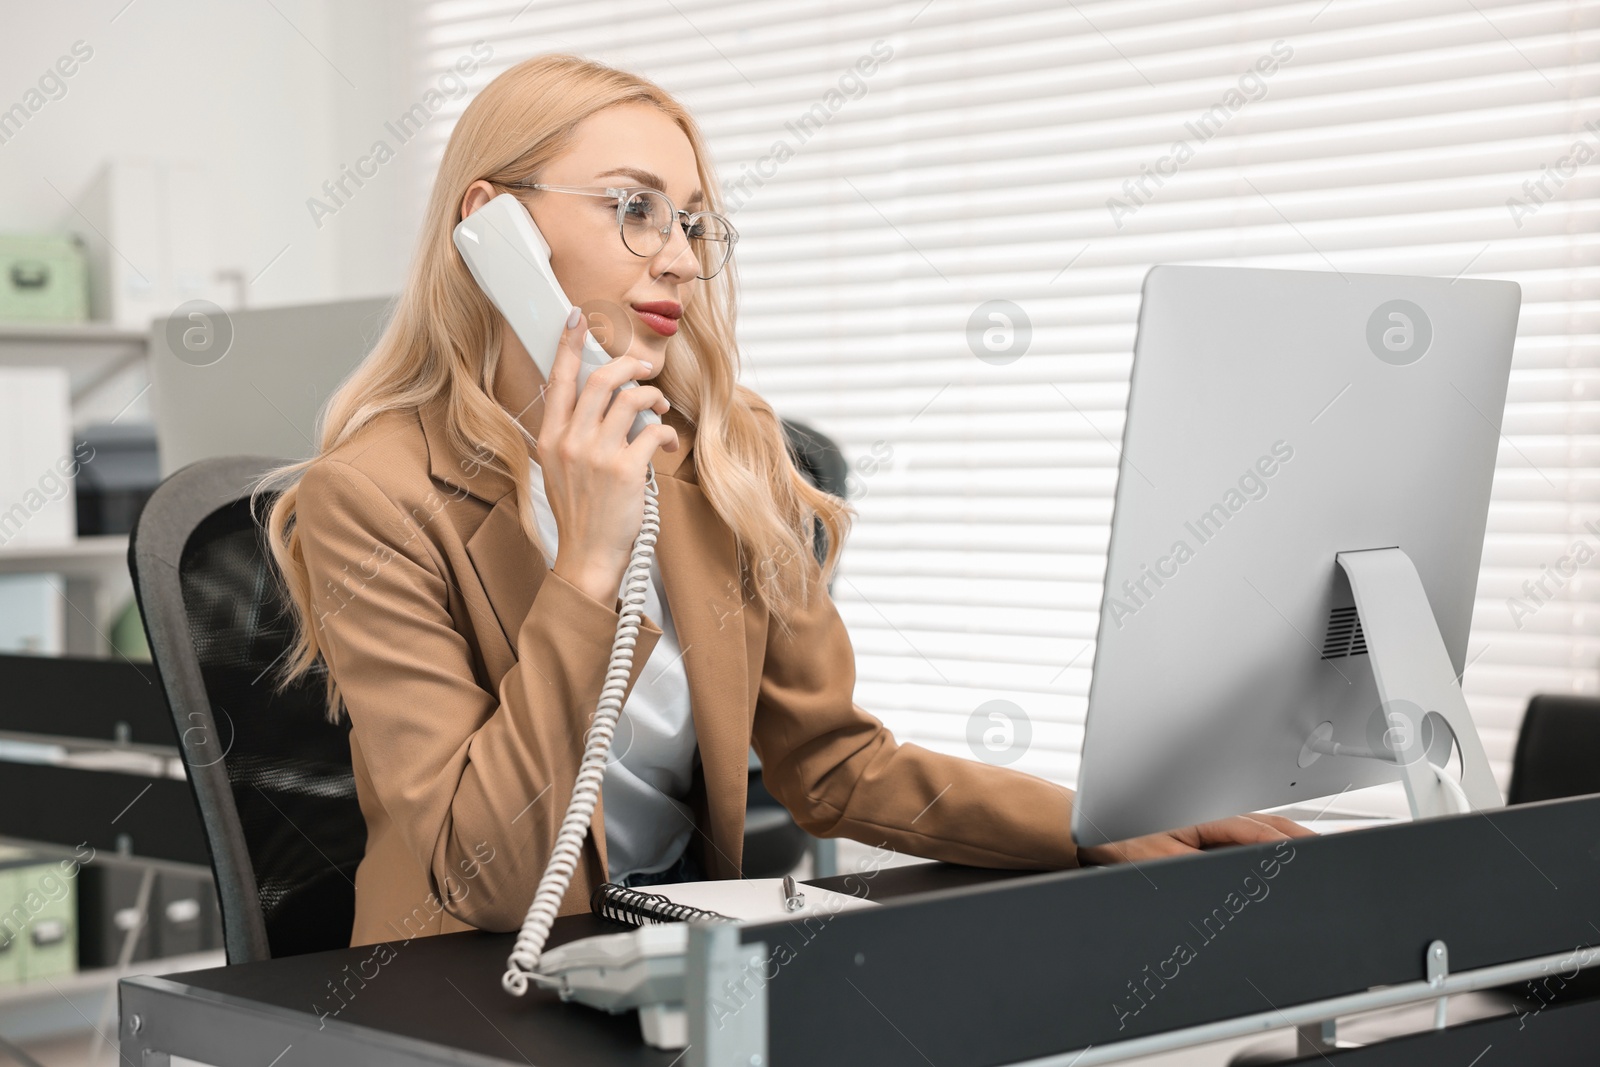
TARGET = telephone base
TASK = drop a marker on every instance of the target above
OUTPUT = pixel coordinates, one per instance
(665, 1026)
(642, 968)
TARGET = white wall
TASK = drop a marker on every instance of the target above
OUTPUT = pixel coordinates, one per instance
(270, 97)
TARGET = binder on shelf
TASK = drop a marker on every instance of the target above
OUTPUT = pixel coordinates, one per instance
(108, 898)
(33, 618)
(37, 463)
(185, 913)
(181, 916)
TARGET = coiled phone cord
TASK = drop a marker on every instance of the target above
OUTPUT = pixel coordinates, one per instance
(522, 966)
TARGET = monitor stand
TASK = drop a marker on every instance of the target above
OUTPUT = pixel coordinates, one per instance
(1416, 684)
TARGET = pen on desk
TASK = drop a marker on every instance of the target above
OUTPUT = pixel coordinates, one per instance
(792, 900)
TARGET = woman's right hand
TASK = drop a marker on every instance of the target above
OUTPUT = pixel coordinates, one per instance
(593, 477)
(1250, 829)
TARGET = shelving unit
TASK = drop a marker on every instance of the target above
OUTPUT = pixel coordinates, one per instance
(93, 353)
(86, 557)
(47, 1008)
(109, 381)
(107, 368)
(72, 1006)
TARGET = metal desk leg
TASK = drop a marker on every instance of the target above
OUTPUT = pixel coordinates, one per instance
(824, 857)
(135, 1050)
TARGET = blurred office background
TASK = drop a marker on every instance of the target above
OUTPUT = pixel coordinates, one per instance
(946, 210)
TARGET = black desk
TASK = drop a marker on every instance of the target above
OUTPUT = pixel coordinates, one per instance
(427, 1000)
(975, 968)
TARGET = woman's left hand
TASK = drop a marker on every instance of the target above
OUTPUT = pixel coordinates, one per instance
(1239, 830)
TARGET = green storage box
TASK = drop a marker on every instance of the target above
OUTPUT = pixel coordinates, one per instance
(39, 910)
(43, 278)
(10, 944)
(52, 949)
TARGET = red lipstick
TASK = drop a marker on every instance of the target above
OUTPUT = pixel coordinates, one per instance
(660, 315)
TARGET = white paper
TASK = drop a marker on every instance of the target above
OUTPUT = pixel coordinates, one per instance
(755, 899)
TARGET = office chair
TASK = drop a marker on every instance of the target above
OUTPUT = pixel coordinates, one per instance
(818, 458)
(773, 842)
(1558, 749)
(1557, 755)
(271, 776)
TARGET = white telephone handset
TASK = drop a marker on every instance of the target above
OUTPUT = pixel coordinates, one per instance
(510, 261)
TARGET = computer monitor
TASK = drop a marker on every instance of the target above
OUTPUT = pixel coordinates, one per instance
(252, 382)
(1299, 517)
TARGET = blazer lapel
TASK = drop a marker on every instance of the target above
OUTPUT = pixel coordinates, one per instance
(509, 567)
(506, 563)
(698, 558)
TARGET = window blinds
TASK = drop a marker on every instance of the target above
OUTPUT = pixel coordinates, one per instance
(947, 208)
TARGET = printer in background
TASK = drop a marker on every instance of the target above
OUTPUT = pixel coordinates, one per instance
(120, 470)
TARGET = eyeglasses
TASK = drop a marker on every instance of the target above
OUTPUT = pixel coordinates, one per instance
(644, 218)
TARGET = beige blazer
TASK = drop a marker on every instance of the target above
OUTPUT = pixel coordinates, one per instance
(469, 671)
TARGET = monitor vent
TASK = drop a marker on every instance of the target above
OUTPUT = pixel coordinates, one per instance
(1344, 635)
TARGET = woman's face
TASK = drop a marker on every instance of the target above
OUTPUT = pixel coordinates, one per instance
(627, 145)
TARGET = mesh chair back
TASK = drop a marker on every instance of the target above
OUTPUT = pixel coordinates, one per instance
(773, 842)
(1558, 750)
(818, 458)
(272, 777)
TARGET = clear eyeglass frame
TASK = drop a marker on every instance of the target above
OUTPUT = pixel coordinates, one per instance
(623, 195)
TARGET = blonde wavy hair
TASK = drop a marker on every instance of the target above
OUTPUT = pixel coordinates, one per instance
(442, 345)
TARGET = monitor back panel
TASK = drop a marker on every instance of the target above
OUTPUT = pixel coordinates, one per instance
(1276, 418)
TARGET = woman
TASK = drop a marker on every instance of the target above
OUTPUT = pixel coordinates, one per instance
(455, 552)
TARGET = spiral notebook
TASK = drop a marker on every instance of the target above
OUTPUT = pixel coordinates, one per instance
(720, 899)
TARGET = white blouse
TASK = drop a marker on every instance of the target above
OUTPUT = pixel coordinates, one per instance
(654, 748)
